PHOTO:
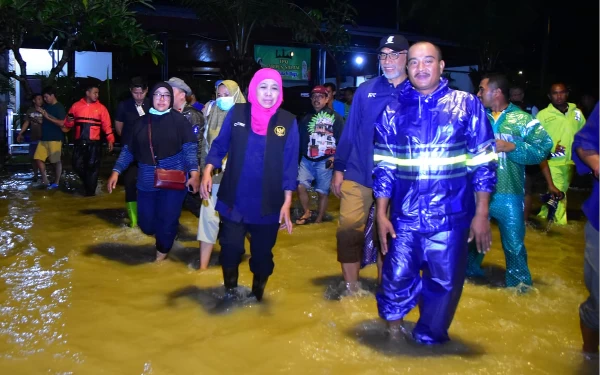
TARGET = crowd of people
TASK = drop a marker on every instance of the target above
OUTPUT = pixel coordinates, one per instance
(431, 163)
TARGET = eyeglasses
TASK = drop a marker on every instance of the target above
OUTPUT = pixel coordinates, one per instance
(392, 55)
(162, 96)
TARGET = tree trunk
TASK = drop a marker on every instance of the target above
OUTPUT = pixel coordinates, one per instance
(65, 58)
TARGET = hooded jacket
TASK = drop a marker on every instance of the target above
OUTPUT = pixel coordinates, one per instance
(432, 153)
(89, 118)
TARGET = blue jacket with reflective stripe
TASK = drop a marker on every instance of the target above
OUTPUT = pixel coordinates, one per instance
(432, 153)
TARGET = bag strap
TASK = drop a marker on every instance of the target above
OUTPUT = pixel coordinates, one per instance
(150, 139)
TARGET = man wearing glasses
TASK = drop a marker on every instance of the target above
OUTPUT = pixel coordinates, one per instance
(353, 165)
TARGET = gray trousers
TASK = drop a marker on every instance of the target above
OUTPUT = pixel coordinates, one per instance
(588, 310)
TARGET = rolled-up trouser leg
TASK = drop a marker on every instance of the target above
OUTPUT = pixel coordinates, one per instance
(401, 280)
(507, 209)
(355, 203)
(167, 213)
(588, 310)
(208, 218)
(444, 264)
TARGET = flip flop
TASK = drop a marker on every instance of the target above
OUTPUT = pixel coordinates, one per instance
(304, 220)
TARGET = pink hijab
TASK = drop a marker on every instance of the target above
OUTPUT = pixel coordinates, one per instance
(260, 116)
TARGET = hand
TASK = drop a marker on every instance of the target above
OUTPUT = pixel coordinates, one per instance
(481, 232)
(330, 162)
(206, 185)
(20, 138)
(504, 146)
(559, 148)
(336, 183)
(110, 146)
(284, 217)
(112, 181)
(194, 182)
(384, 228)
(554, 191)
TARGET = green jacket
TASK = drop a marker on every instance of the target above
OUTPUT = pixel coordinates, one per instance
(561, 128)
(532, 146)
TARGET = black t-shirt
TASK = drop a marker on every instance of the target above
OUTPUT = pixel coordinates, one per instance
(127, 113)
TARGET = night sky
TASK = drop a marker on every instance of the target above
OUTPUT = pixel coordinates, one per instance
(572, 50)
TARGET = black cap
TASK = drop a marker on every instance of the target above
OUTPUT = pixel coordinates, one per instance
(395, 42)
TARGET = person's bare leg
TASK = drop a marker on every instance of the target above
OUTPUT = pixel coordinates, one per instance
(395, 329)
(205, 252)
(36, 170)
(590, 338)
(350, 272)
(304, 199)
(323, 199)
(42, 167)
(161, 256)
(58, 171)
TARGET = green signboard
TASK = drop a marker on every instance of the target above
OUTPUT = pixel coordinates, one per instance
(291, 62)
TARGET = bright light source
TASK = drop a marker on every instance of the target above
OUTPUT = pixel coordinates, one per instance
(292, 54)
(520, 72)
(359, 60)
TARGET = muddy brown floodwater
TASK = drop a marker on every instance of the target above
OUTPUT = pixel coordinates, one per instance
(80, 295)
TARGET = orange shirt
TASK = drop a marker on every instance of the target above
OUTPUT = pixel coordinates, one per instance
(89, 120)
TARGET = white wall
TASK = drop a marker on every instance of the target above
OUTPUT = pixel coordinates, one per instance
(93, 64)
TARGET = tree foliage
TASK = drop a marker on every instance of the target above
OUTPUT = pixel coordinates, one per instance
(73, 25)
(327, 27)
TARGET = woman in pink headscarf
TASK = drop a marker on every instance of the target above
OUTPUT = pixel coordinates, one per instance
(261, 142)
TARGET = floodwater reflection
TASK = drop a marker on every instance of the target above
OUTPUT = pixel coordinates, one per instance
(79, 294)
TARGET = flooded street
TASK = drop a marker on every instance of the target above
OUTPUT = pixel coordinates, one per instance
(80, 295)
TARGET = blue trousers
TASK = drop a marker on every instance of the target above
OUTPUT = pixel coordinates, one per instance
(262, 240)
(158, 215)
(507, 209)
(442, 258)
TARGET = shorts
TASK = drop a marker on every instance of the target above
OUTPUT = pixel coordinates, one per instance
(310, 171)
(355, 203)
(50, 150)
(208, 221)
(32, 148)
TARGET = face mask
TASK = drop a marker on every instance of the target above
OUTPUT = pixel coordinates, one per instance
(225, 103)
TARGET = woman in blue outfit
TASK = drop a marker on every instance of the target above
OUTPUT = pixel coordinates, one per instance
(261, 143)
(174, 147)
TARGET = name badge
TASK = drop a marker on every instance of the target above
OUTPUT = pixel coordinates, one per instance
(140, 110)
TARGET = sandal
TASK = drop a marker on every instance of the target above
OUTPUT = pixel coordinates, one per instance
(305, 220)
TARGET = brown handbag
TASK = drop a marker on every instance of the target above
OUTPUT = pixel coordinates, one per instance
(165, 178)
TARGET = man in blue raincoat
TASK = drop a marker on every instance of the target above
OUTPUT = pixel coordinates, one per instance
(520, 140)
(434, 152)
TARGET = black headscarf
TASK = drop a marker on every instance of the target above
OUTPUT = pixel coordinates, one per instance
(170, 132)
(166, 86)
